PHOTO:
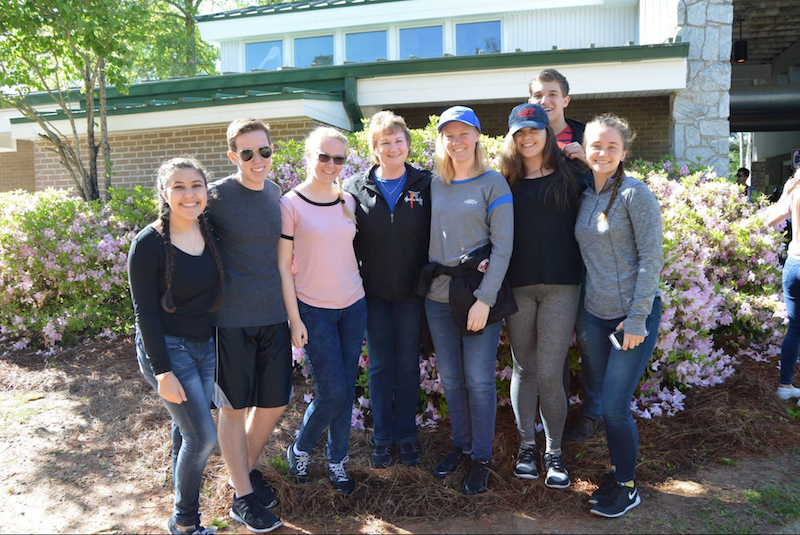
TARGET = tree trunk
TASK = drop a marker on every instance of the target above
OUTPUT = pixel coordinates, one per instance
(101, 81)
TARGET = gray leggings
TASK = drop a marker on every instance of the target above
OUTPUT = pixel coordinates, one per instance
(540, 333)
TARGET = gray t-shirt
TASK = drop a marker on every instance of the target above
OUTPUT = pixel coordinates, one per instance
(248, 226)
(466, 215)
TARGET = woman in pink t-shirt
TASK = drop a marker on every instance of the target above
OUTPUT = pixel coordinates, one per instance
(324, 299)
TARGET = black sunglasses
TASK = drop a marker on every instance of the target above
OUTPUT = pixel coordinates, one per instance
(325, 158)
(247, 154)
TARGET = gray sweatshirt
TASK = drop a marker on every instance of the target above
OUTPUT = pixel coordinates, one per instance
(465, 215)
(623, 258)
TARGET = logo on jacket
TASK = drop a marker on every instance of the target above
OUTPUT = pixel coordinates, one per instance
(470, 201)
(413, 197)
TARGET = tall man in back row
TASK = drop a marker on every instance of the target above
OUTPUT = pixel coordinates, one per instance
(254, 353)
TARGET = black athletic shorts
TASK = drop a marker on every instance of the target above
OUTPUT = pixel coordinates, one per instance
(254, 366)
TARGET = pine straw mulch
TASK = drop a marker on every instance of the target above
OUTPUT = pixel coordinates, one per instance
(742, 416)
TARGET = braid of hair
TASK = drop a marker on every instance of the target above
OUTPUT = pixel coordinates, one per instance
(620, 174)
(166, 302)
(204, 229)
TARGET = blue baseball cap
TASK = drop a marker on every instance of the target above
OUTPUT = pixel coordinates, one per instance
(462, 114)
(527, 115)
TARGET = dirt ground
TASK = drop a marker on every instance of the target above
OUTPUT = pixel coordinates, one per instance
(84, 449)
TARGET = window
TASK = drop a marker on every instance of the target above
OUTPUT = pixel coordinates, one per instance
(478, 38)
(263, 56)
(313, 51)
(421, 42)
(365, 47)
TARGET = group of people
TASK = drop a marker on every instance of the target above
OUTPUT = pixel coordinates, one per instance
(232, 274)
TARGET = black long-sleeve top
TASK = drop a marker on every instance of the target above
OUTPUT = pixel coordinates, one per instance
(195, 283)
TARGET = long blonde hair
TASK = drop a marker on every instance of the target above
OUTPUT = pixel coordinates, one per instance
(313, 144)
(444, 164)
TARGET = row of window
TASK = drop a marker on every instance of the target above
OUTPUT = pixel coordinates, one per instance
(427, 42)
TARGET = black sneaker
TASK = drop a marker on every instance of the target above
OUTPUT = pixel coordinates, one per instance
(266, 493)
(410, 454)
(298, 465)
(620, 499)
(527, 466)
(382, 457)
(338, 476)
(556, 475)
(250, 512)
(584, 428)
(478, 479)
(449, 464)
(606, 484)
(172, 527)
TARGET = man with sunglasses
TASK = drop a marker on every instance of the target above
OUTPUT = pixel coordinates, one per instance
(254, 354)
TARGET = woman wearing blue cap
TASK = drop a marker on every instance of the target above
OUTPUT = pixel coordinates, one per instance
(470, 246)
(545, 273)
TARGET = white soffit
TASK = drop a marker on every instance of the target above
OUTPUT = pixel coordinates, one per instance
(608, 79)
(329, 112)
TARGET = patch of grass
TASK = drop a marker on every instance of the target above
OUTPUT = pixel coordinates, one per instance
(725, 461)
(219, 523)
(794, 412)
(281, 464)
(783, 502)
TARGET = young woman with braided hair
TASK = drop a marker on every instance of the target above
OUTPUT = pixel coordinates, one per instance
(177, 279)
(619, 235)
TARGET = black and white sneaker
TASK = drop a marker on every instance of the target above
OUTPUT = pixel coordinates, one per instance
(606, 484)
(620, 499)
(337, 473)
(172, 527)
(382, 456)
(298, 464)
(250, 512)
(528, 461)
(266, 493)
(556, 475)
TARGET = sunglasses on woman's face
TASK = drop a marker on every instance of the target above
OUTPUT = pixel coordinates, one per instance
(325, 158)
(247, 154)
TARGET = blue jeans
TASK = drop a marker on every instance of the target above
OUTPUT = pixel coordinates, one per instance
(592, 406)
(193, 432)
(393, 332)
(612, 375)
(467, 367)
(791, 344)
(335, 337)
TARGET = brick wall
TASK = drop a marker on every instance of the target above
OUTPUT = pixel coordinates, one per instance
(137, 155)
(16, 168)
(649, 117)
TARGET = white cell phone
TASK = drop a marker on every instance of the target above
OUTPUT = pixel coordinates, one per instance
(617, 338)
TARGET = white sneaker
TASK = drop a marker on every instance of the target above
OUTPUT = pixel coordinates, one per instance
(788, 392)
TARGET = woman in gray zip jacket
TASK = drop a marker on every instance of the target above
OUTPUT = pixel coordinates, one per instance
(619, 235)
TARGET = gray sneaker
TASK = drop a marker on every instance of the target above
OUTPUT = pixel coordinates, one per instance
(528, 461)
(557, 476)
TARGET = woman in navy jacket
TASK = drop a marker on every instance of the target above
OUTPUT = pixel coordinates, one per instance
(394, 214)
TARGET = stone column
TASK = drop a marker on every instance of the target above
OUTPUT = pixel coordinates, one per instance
(699, 113)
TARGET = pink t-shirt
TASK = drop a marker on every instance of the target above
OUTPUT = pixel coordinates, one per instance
(325, 266)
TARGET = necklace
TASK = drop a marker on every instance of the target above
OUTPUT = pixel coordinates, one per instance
(530, 175)
(391, 193)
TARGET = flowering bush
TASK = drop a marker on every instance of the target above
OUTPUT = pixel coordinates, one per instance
(63, 261)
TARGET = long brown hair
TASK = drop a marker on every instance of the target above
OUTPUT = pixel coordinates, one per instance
(512, 167)
(162, 175)
(627, 136)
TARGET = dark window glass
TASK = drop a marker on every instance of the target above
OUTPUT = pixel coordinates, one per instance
(473, 38)
(421, 42)
(263, 56)
(365, 47)
(313, 51)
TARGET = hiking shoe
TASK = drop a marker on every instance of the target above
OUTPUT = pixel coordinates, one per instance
(606, 484)
(382, 457)
(788, 392)
(172, 527)
(449, 464)
(527, 466)
(556, 476)
(298, 464)
(584, 428)
(478, 479)
(619, 500)
(266, 493)
(410, 454)
(338, 476)
(250, 512)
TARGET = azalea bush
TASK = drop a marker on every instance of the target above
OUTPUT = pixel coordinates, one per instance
(63, 268)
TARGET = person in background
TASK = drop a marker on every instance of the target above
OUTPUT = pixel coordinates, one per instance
(394, 220)
(743, 179)
(620, 238)
(177, 280)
